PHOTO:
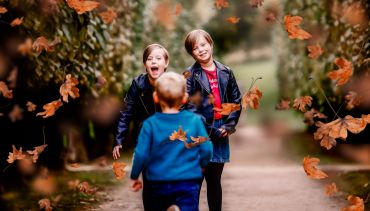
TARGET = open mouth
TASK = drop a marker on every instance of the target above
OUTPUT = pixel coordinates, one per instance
(154, 69)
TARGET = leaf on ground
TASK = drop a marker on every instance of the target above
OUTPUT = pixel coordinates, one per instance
(36, 152)
(227, 108)
(314, 51)
(252, 98)
(5, 91)
(331, 189)
(73, 184)
(195, 141)
(82, 6)
(119, 169)
(353, 99)
(233, 19)
(15, 155)
(256, 3)
(221, 4)
(17, 22)
(108, 16)
(45, 204)
(344, 72)
(310, 167)
(178, 135)
(293, 28)
(311, 114)
(68, 88)
(41, 43)
(283, 105)
(357, 204)
(84, 187)
(30, 106)
(301, 103)
(50, 109)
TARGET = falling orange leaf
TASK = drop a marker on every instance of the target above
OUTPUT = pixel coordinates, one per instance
(25, 47)
(293, 29)
(68, 88)
(16, 113)
(227, 108)
(311, 114)
(3, 10)
(41, 43)
(353, 100)
(314, 51)
(84, 187)
(16, 155)
(119, 169)
(44, 183)
(108, 16)
(186, 74)
(50, 109)
(256, 3)
(301, 103)
(355, 13)
(82, 6)
(221, 4)
(45, 204)
(357, 204)
(164, 15)
(343, 73)
(331, 189)
(283, 105)
(17, 22)
(30, 106)
(178, 135)
(5, 91)
(178, 9)
(233, 20)
(37, 150)
(195, 141)
(251, 98)
(310, 167)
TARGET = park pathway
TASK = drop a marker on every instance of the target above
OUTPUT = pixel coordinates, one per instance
(260, 177)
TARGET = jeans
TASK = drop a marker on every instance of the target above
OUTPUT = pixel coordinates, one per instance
(158, 196)
(221, 148)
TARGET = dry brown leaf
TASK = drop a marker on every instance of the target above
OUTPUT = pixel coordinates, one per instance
(3, 10)
(301, 103)
(344, 72)
(45, 204)
(221, 4)
(353, 100)
(195, 141)
(50, 109)
(5, 91)
(82, 6)
(283, 105)
(331, 189)
(75, 165)
(355, 13)
(68, 88)
(25, 48)
(119, 169)
(314, 51)
(84, 187)
(233, 20)
(44, 184)
(108, 16)
(15, 155)
(178, 9)
(178, 135)
(270, 17)
(227, 108)
(73, 184)
(41, 43)
(293, 29)
(164, 15)
(256, 3)
(12, 78)
(357, 204)
(16, 113)
(17, 22)
(311, 114)
(251, 98)
(186, 74)
(30, 106)
(35, 153)
(310, 167)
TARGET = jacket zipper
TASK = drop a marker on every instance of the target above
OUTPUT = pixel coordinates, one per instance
(201, 83)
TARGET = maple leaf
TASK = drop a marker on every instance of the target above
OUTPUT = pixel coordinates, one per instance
(227, 108)
(353, 99)
(3, 10)
(293, 29)
(195, 141)
(45, 204)
(178, 135)
(50, 108)
(357, 204)
(186, 74)
(251, 98)
(68, 88)
(108, 16)
(283, 105)
(15, 155)
(17, 22)
(75, 165)
(16, 113)
(178, 9)
(310, 167)
(25, 47)
(30, 106)
(119, 169)
(301, 103)
(73, 184)
(311, 114)
(5, 91)
(37, 150)
(41, 43)
(314, 51)
(82, 6)
(343, 73)
(256, 3)
(221, 4)
(331, 189)
(84, 187)
(233, 20)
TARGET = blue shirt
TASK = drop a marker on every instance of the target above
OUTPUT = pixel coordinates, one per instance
(160, 159)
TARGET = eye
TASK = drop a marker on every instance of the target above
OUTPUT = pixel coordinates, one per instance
(149, 58)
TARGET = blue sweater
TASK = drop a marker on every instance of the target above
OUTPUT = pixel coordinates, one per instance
(160, 159)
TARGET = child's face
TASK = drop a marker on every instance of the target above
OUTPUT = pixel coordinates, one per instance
(202, 50)
(156, 63)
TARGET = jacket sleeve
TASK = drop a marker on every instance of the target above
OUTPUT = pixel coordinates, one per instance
(234, 96)
(128, 110)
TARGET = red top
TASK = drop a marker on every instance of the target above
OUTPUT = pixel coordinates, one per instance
(213, 82)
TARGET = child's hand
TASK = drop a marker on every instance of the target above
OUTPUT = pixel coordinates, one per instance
(136, 185)
(223, 132)
(115, 152)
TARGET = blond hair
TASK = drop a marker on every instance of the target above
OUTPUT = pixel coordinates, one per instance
(170, 88)
(192, 38)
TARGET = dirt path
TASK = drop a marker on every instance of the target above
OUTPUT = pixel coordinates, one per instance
(259, 177)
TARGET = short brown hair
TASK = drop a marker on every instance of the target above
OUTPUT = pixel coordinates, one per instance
(192, 37)
(150, 48)
(170, 88)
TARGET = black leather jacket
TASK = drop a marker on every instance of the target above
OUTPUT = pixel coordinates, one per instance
(138, 105)
(229, 92)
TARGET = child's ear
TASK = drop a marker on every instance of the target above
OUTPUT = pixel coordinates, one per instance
(155, 97)
(185, 98)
